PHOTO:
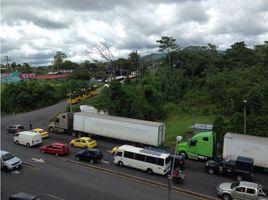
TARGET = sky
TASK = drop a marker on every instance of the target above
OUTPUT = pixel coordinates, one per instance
(32, 31)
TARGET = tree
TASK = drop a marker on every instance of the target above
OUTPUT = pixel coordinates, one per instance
(58, 59)
(134, 59)
(167, 44)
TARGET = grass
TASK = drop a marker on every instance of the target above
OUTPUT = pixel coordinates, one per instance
(178, 124)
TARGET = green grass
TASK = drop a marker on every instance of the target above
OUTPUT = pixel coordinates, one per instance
(178, 124)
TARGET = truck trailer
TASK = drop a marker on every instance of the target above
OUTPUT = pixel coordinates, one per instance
(255, 147)
(127, 129)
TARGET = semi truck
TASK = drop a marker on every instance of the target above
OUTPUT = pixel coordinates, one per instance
(127, 129)
(203, 145)
(246, 145)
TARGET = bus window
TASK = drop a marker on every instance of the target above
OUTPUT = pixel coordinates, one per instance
(151, 159)
(160, 161)
(139, 157)
(128, 154)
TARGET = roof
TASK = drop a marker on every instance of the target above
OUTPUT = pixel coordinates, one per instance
(248, 184)
(246, 138)
(145, 151)
(28, 133)
(122, 119)
(208, 127)
(205, 133)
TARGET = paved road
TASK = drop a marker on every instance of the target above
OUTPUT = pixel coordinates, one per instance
(196, 179)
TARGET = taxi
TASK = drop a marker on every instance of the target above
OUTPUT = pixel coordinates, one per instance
(83, 142)
(42, 132)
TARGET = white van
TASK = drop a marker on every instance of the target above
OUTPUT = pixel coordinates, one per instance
(27, 138)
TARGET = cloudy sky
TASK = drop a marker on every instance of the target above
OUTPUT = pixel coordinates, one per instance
(33, 30)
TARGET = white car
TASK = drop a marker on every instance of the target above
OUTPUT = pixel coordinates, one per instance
(9, 161)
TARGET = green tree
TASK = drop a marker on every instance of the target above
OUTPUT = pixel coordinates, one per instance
(58, 60)
(167, 44)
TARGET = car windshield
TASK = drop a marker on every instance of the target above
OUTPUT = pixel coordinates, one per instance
(234, 185)
(7, 156)
(89, 140)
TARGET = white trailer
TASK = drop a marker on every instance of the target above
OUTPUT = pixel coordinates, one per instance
(133, 130)
(246, 145)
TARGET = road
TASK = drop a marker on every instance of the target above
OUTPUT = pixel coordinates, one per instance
(64, 179)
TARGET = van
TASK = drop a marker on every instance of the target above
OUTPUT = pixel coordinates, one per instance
(27, 138)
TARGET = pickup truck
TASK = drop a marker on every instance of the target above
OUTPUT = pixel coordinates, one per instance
(241, 168)
(241, 190)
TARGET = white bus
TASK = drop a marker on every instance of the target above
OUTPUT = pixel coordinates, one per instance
(146, 159)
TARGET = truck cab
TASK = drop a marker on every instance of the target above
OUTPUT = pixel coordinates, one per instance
(62, 123)
(200, 146)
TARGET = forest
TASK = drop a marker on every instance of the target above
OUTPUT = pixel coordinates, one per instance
(198, 80)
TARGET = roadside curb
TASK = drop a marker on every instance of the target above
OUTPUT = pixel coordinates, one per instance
(201, 196)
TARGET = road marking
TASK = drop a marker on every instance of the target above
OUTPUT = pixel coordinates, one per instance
(15, 172)
(105, 162)
(55, 197)
(109, 151)
(38, 160)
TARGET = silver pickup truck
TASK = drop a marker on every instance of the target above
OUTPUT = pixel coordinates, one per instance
(241, 190)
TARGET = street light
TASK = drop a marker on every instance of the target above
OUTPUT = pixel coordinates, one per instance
(245, 117)
(170, 184)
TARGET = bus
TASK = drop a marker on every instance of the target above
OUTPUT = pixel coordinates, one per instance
(146, 159)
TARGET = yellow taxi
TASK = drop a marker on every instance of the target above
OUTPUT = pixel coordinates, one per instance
(42, 132)
(114, 150)
(83, 142)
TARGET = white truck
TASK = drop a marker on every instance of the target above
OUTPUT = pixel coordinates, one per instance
(246, 145)
(132, 130)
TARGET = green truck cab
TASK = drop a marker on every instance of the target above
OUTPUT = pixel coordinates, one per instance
(201, 146)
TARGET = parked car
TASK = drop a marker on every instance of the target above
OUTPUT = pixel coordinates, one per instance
(27, 138)
(9, 161)
(92, 155)
(42, 132)
(55, 148)
(241, 168)
(15, 128)
(23, 196)
(241, 190)
(83, 142)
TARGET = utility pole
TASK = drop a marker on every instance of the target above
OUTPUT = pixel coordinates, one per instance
(7, 59)
(245, 117)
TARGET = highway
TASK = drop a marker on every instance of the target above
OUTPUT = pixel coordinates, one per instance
(53, 177)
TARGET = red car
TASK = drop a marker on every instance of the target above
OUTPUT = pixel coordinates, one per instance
(55, 148)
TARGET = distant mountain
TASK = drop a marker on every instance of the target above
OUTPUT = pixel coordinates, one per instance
(154, 57)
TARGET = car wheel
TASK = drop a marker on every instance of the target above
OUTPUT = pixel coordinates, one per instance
(72, 145)
(17, 142)
(226, 197)
(85, 147)
(77, 158)
(28, 145)
(51, 129)
(91, 161)
(183, 154)
(149, 171)
(5, 168)
(211, 171)
(120, 164)
(57, 154)
(42, 151)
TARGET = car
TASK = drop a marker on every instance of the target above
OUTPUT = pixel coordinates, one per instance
(241, 190)
(42, 132)
(55, 148)
(15, 128)
(92, 155)
(114, 150)
(23, 196)
(241, 168)
(83, 142)
(9, 161)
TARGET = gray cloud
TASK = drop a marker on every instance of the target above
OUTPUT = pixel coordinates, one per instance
(32, 30)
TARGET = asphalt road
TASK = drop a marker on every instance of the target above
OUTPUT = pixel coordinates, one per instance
(65, 180)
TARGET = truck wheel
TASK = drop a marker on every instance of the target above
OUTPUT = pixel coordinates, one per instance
(80, 135)
(226, 197)
(211, 171)
(28, 145)
(51, 129)
(120, 164)
(73, 133)
(149, 171)
(183, 154)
